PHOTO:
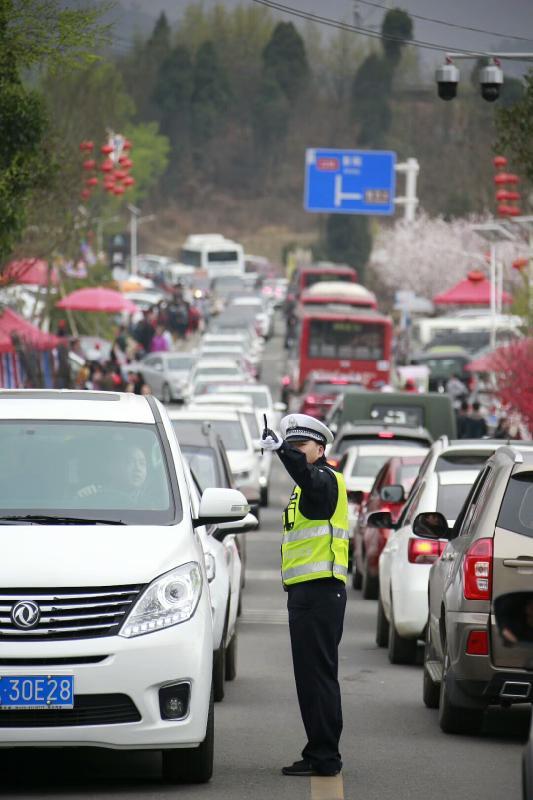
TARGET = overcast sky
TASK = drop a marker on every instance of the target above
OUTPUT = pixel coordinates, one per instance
(503, 20)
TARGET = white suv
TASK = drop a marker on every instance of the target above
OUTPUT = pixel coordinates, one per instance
(104, 604)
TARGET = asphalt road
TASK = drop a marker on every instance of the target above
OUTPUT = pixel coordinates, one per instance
(391, 745)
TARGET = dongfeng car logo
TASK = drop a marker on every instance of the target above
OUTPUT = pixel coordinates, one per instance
(25, 614)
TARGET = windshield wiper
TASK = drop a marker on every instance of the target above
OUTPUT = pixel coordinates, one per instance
(48, 519)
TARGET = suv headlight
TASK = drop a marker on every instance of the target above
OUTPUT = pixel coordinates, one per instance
(170, 599)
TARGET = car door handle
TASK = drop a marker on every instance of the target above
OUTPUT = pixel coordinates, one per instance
(518, 563)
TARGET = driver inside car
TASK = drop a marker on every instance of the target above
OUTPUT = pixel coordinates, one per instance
(126, 477)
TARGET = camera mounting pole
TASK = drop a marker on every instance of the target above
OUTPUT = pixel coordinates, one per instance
(490, 77)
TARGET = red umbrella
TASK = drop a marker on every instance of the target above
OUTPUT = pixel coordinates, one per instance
(11, 323)
(97, 299)
(473, 291)
(33, 271)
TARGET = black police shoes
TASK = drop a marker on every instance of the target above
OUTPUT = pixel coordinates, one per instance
(304, 769)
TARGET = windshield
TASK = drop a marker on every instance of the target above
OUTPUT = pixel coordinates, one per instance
(451, 498)
(203, 463)
(98, 470)
(181, 364)
(345, 339)
(222, 256)
(257, 399)
(333, 388)
(251, 419)
(399, 441)
(368, 466)
(231, 434)
(192, 258)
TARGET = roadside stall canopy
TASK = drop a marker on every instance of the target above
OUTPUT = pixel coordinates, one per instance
(31, 271)
(98, 298)
(474, 290)
(11, 323)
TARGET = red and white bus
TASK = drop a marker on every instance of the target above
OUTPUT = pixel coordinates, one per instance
(339, 293)
(330, 338)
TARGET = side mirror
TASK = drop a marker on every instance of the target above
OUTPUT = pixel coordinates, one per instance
(249, 523)
(280, 407)
(221, 505)
(431, 525)
(393, 493)
(380, 519)
(356, 497)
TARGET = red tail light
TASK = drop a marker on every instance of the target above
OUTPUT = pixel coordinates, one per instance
(311, 399)
(424, 551)
(385, 435)
(477, 571)
(477, 643)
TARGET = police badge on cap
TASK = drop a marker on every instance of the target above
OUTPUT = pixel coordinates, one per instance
(301, 427)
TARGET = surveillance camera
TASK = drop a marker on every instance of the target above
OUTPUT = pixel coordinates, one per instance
(490, 79)
(447, 79)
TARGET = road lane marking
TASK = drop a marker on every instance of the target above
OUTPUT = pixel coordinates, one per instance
(265, 616)
(327, 788)
(263, 575)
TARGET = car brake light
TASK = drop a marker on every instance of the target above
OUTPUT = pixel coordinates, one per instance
(311, 399)
(477, 643)
(385, 435)
(424, 551)
(477, 571)
(333, 462)
(285, 380)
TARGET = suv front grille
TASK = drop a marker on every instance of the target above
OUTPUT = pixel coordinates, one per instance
(68, 613)
(89, 709)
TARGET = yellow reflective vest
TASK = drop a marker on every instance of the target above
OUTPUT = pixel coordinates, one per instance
(315, 548)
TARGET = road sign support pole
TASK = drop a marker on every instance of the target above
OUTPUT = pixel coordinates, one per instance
(409, 201)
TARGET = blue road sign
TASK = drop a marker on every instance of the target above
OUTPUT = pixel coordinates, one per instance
(350, 181)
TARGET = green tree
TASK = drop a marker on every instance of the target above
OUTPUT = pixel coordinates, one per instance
(370, 101)
(210, 97)
(284, 58)
(514, 126)
(348, 240)
(397, 29)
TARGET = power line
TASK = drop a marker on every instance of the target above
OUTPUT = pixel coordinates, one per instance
(451, 24)
(345, 26)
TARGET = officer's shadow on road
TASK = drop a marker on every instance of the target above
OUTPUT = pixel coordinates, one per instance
(32, 772)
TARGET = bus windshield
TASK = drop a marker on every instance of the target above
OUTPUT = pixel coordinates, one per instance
(346, 339)
(310, 278)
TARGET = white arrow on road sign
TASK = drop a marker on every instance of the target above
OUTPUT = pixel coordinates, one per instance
(340, 195)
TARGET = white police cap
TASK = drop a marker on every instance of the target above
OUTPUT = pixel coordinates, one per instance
(300, 427)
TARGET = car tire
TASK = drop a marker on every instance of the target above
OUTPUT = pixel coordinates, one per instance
(370, 585)
(430, 689)
(219, 673)
(454, 718)
(192, 764)
(357, 580)
(166, 395)
(264, 496)
(401, 650)
(382, 626)
(231, 658)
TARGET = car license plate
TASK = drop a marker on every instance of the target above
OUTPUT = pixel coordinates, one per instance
(34, 692)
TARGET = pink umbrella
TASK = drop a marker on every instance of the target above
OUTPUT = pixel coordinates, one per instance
(29, 270)
(97, 299)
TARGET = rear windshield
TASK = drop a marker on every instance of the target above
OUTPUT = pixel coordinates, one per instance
(231, 434)
(398, 441)
(181, 364)
(203, 463)
(516, 513)
(368, 466)
(451, 498)
(457, 461)
(251, 419)
(94, 470)
(334, 388)
(412, 416)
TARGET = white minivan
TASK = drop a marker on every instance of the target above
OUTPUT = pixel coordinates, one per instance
(105, 613)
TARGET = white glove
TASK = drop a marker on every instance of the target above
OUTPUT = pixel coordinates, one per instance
(270, 441)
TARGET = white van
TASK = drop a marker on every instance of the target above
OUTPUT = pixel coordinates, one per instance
(105, 613)
(213, 254)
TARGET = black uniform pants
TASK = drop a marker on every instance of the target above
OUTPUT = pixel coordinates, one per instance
(316, 616)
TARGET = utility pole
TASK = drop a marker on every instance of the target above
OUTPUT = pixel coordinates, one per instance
(135, 221)
(409, 201)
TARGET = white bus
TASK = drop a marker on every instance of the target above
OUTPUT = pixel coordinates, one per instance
(213, 254)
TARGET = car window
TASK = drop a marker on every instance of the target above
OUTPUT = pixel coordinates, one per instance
(464, 520)
(407, 474)
(231, 433)
(95, 470)
(450, 498)
(412, 508)
(516, 512)
(368, 466)
(251, 420)
(450, 461)
(203, 464)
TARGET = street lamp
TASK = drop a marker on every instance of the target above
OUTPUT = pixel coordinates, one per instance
(135, 221)
(494, 232)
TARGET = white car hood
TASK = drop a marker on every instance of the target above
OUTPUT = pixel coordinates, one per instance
(91, 555)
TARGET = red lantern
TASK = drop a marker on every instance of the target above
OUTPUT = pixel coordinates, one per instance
(520, 263)
(120, 175)
(91, 182)
(506, 177)
(127, 145)
(505, 194)
(89, 145)
(107, 166)
(89, 164)
(85, 194)
(118, 190)
(499, 162)
(128, 181)
(106, 149)
(476, 275)
(505, 210)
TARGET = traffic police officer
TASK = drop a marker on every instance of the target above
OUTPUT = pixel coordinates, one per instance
(314, 570)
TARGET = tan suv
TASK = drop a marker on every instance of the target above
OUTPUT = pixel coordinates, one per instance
(479, 638)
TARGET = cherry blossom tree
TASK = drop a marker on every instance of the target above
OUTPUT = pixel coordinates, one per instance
(513, 370)
(431, 255)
